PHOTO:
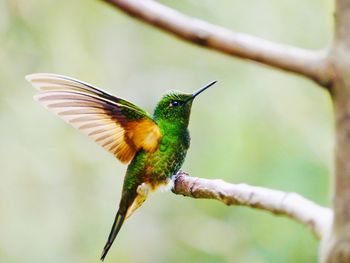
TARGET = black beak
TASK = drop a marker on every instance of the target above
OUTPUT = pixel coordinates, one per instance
(196, 93)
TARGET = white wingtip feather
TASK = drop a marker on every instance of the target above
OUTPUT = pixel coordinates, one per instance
(33, 76)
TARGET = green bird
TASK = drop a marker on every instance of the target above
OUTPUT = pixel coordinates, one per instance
(155, 146)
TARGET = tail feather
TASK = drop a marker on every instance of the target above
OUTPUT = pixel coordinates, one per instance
(131, 200)
(117, 224)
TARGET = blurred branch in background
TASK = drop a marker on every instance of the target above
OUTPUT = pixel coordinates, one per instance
(317, 218)
(311, 64)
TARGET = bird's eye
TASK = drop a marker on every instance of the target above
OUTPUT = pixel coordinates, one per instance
(175, 103)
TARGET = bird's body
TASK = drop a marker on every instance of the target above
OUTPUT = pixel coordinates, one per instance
(155, 169)
(155, 146)
(149, 171)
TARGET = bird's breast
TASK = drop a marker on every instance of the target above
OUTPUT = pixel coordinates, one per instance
(166, 161)
(156, 168)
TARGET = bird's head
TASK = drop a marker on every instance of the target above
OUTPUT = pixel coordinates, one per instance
(175, 106)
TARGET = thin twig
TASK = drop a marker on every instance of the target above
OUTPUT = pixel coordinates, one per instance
(317, 218)
(312, 64)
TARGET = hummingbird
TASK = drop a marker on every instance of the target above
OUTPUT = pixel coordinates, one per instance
(154, 146)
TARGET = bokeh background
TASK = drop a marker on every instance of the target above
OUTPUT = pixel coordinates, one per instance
(59, 191)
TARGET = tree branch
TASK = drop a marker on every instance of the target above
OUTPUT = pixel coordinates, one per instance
(311, 64)
(318, 219)
(337, 246)
(342, 19)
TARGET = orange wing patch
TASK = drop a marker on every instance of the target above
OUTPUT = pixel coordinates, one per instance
(98, 114)
(144, 134)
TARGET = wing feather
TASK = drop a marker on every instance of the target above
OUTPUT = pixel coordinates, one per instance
(117, 125)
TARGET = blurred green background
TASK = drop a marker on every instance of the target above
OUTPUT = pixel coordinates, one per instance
(59, 191)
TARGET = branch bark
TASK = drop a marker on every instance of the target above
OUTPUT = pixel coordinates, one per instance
(337, 246)
(311, 64)
(317, 218)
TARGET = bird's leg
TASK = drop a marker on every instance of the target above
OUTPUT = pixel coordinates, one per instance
(143, 189)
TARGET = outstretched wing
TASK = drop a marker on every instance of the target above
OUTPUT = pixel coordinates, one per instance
(119, 126)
